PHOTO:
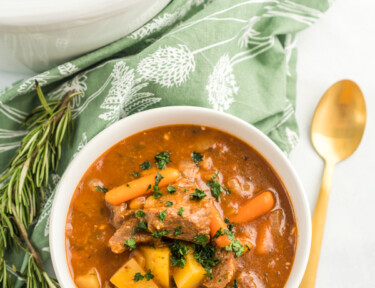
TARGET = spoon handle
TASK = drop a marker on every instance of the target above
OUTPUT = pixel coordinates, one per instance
(318, 221)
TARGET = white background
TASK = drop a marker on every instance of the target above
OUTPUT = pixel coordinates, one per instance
(341, 45)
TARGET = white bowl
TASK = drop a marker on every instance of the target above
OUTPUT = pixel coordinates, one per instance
(40, 34)
(177, 115)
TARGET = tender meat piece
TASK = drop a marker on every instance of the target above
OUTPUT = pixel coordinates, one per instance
(125, 232)
(249, 279)
(195, 219)
(223, 272)
(119, 213)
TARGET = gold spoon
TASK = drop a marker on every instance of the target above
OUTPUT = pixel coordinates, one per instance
(336, 131)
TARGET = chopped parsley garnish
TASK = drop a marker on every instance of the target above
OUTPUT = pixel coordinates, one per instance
(131, 244)
(157, 193)
(140, 213)
(127, 185)
(136, 174)
(205, 255)
(235, 284)
(169, 204)
(148, 275)
(236, 247)
(139, 277)
(162, 159)
(148, 187)
(145, 165)
(162, 215)
(159, 234)
(181, 211)
(171, 189)
(101, 189)
(177, 231)
(178, 252)
(198, 194)
(215, 187)
(196, 157)
(142, 226)
(219, 233)
(201, 239)
(229, 225)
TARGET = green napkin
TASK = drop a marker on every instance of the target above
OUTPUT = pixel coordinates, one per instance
(238, 57)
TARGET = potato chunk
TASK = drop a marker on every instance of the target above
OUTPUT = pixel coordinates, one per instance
(123, 278)
(89, 280)
(157, 260)
(191, 275)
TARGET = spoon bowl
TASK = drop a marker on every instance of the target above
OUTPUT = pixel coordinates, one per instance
(339, 121)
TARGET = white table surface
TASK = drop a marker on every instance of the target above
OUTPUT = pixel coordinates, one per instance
(341, 45)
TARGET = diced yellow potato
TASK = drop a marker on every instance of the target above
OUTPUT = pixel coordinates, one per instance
(191, 275)
(123, 278)
(89, 280)
(157, 260)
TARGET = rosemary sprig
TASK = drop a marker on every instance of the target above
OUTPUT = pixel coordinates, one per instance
(23, 186)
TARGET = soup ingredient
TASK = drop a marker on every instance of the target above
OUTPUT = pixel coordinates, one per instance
(265, 242)
(162, 159)
(217, 223)
(89, 280)
(178, 254)
(126, 277)
(223, 272)
(191, 275)
(195, 219)
(145, 165)
(196, 157)
(205, 255)
(125, 233)
(198, 194)
(216, 188)
(254, 208)
(140, 186)
(157, 260)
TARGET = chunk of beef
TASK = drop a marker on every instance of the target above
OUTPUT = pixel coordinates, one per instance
(223, 272)
(125, 232)
(194, 221)
(119, 213)
(250, 279)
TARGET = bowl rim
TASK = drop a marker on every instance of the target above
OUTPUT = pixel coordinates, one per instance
(175, 115)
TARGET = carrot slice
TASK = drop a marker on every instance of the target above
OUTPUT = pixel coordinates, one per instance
(217, 222)
(254, 208)
(139, 187)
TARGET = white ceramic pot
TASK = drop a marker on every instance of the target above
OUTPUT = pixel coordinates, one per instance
(37, 35)
(167, 116)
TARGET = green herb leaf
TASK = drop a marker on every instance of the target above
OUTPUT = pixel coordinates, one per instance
(145, 165)
(142, 226)
(162, 159)
(136, 174)
(178, 252)
(201, 239)
(158, 178)
(138, 277)
(236, 247)
(169, 204)
(101, 189)
(162, 215)
(235, 284)
(205, 255)
(198, 194)
(181, 211)
(131, 244)
(159, 234)
(178, 231)
(148, 275)
(171, 189)
(229, 225)
(219, 233)
(196, 157)
(140, 213)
